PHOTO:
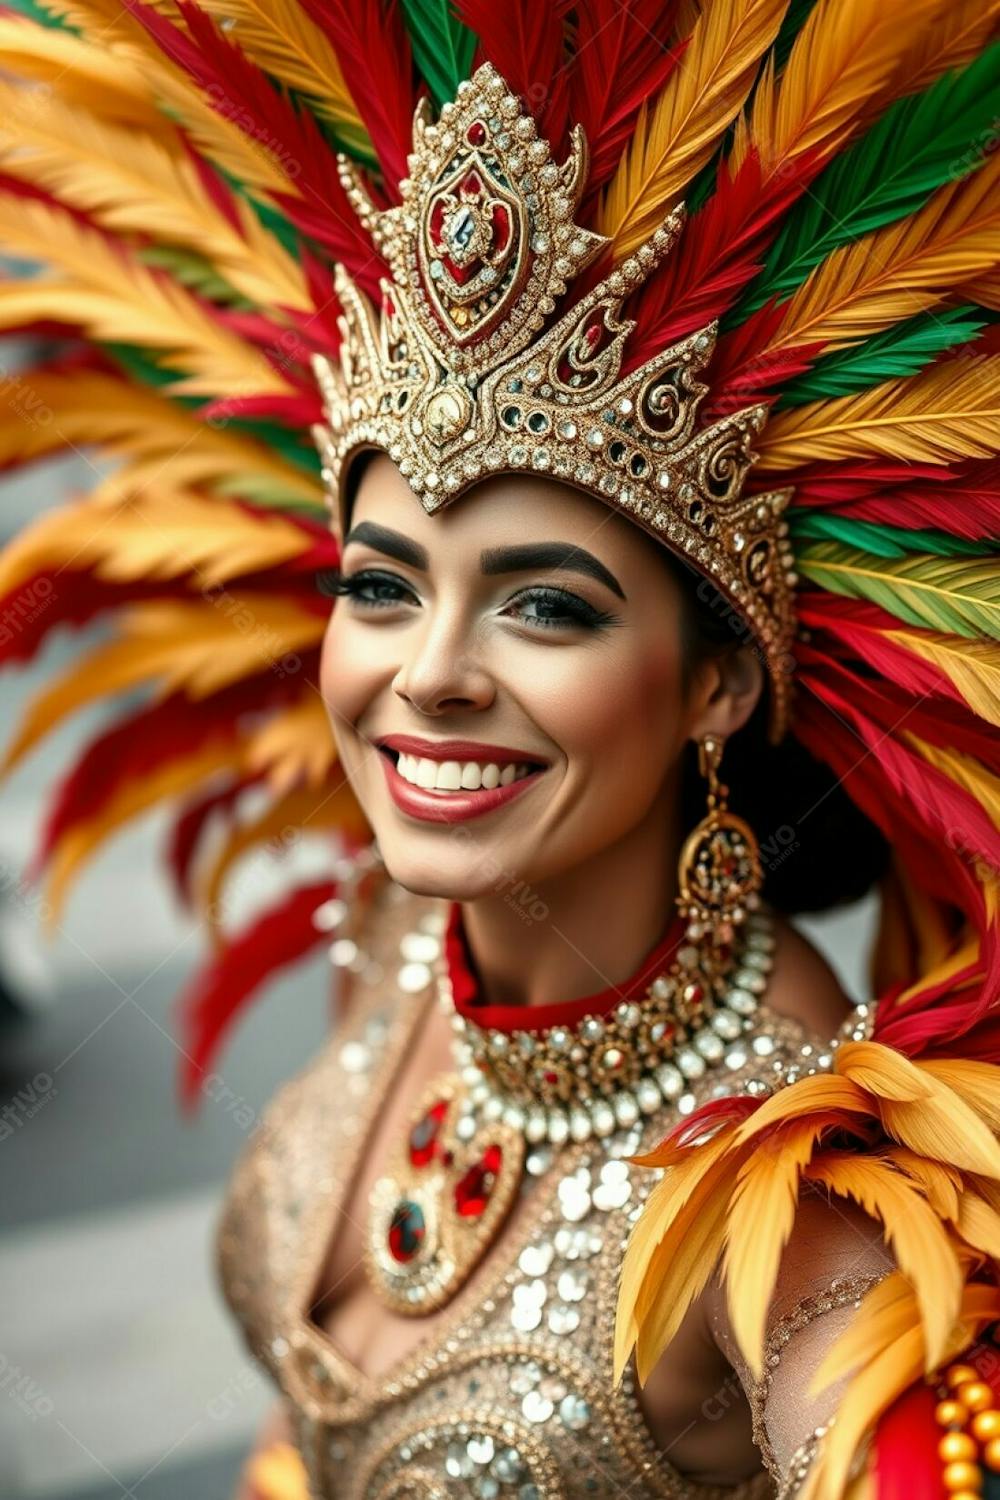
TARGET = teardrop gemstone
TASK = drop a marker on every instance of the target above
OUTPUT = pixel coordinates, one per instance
(406, 1230)
(424, 1135)
(472, 1192)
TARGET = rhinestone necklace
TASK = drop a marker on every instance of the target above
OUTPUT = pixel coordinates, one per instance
(516, 1096)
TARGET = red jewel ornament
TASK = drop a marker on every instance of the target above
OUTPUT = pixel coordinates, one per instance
(406, 1231)
(472, 1192)
(424, 1135)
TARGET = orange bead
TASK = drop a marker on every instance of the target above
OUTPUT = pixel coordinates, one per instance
(962, 1476)
(956, 1446)
(958, 1375)
(964, 1495)
(986, 1424)
(976, 1395)
(991, 1455)
(951, 1414)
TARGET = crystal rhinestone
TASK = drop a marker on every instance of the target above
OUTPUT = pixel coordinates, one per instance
(465, 1127)
(535, 1260)
(603, 1118)
(595, 438)
(419, 947)
(330, 915)
(612, 1059)
(457, 1462)
(580, 1127)
(567, 429)
(481, 1448)
(709, 1044)
(536, 1407)
(413, 977)
(355, 1057)
(558, 1127)
(508, 1466)
(746, 979)
(343, 952)
(686, 1104)
(663, 479)
(736, 1057)
(629, 1015)
(538, 1162)
(742, 1002)
(513, 1116)
(726, 1024)
(611, 1195)
(592, 1029)
(648, 1096)
(572, 1286)
(574, 1413)
(670, 1079)
(626, 1109)
(535, 1126)
(574, 1200)
(763, 1045)
(529, 1293)
(690, 1064)
(563, 1319)
(524, 1378)
(526, 1318)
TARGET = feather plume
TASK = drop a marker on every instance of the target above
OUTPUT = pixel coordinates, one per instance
(443, 48)
(950, 411)
(97, 83)
(675, 136)
(111, 298)
(527, 44)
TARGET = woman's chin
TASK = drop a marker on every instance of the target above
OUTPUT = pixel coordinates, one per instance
(463, 873)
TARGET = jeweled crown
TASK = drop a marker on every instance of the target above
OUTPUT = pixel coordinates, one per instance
(457, 377)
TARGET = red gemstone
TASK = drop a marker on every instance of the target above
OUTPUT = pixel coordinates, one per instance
(471, 183)
(501, 226)
(424, 1135)
(552, 1078)
(476, 133)
(406, 1230)
(472, 1193)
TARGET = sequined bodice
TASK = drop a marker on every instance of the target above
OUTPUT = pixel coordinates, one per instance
(511, 1394)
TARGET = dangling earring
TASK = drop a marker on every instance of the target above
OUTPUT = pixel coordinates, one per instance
(718, 874)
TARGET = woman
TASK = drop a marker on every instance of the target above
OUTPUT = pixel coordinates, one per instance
(568, 643)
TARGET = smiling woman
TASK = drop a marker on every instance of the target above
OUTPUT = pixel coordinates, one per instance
(660, 545)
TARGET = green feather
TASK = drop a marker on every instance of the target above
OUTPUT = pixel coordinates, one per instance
(878, 539)
(796, 17)
(442, 46)
(194, 272)
(960, 597)
(896, 352)
(32, 10)
(919, 144)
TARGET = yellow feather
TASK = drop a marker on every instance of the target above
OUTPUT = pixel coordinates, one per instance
(181, 776)
(943, 1128)
(900, 270)
(949, 411)
(887, 1311)
(911, 1228)
(940, 1183)
(760, 1219)
(820, 1091)
(979, 1224)
(973, 666)
(42, 412)
(201, 647)
(676, 137)
(113, 298)
(961, 33)
(295, 745)
(883, 1072)
(842, 61)
(978, 1083)
(134, 183)
(85, 75)
(984, 289)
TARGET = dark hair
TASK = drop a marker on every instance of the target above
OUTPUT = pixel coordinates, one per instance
(818, 850)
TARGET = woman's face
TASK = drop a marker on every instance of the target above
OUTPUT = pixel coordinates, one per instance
(504, 680)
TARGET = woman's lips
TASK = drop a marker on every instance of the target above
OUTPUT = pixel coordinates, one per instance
(448, 807)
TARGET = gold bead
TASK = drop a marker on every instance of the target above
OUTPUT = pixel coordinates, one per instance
(951, 1414)
(964, 1495)
(956, 1446)
(991, 1455)
(963, 1476)
(976, 1394)
(986, 1424)
(958, 1375)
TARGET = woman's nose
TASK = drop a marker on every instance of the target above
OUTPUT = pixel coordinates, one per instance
(443, 670)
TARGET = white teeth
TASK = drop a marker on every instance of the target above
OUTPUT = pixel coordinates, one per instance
(454, 776)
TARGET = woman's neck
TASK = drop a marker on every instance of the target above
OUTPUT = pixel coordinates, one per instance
(579, 932)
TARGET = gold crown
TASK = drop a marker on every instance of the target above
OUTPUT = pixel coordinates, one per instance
(455, 378)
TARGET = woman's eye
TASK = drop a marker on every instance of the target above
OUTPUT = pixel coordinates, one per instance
(368, 588)
(555, 609)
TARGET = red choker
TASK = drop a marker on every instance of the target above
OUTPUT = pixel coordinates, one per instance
(465, 985)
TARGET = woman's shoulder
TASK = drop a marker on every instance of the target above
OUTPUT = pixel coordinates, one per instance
(803, 985)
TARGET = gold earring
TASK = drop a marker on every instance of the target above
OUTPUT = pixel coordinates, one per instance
(719, 873)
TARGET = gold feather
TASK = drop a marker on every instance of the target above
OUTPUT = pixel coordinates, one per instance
(85, 75)
(116, 299)
(840, 64)
(975, 1082)
(948, 411)
(943, 593)
(675, 138)
(901, 269)
(912, 1229)
(134, 183)
(961, 33)
(295, 745)
(985, 290)
(972, 666)
(940, 1183)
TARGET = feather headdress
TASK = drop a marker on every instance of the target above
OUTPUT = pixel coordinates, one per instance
(174, 189)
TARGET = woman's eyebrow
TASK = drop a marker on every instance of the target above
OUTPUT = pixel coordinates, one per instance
(495, 559)
(392, 543)
(549, 555)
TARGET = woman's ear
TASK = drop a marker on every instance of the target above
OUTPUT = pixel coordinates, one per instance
(728, 691)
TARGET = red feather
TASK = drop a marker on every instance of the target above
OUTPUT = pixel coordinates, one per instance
(297, 411)
(219, 993)
(525, 41)
(373, 48)
(621, 58)
(187, 832)
(962, 499)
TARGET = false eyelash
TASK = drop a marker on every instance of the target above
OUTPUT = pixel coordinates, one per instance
(331, 582)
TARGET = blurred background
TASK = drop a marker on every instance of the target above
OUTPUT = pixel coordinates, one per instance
(121, 1374)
